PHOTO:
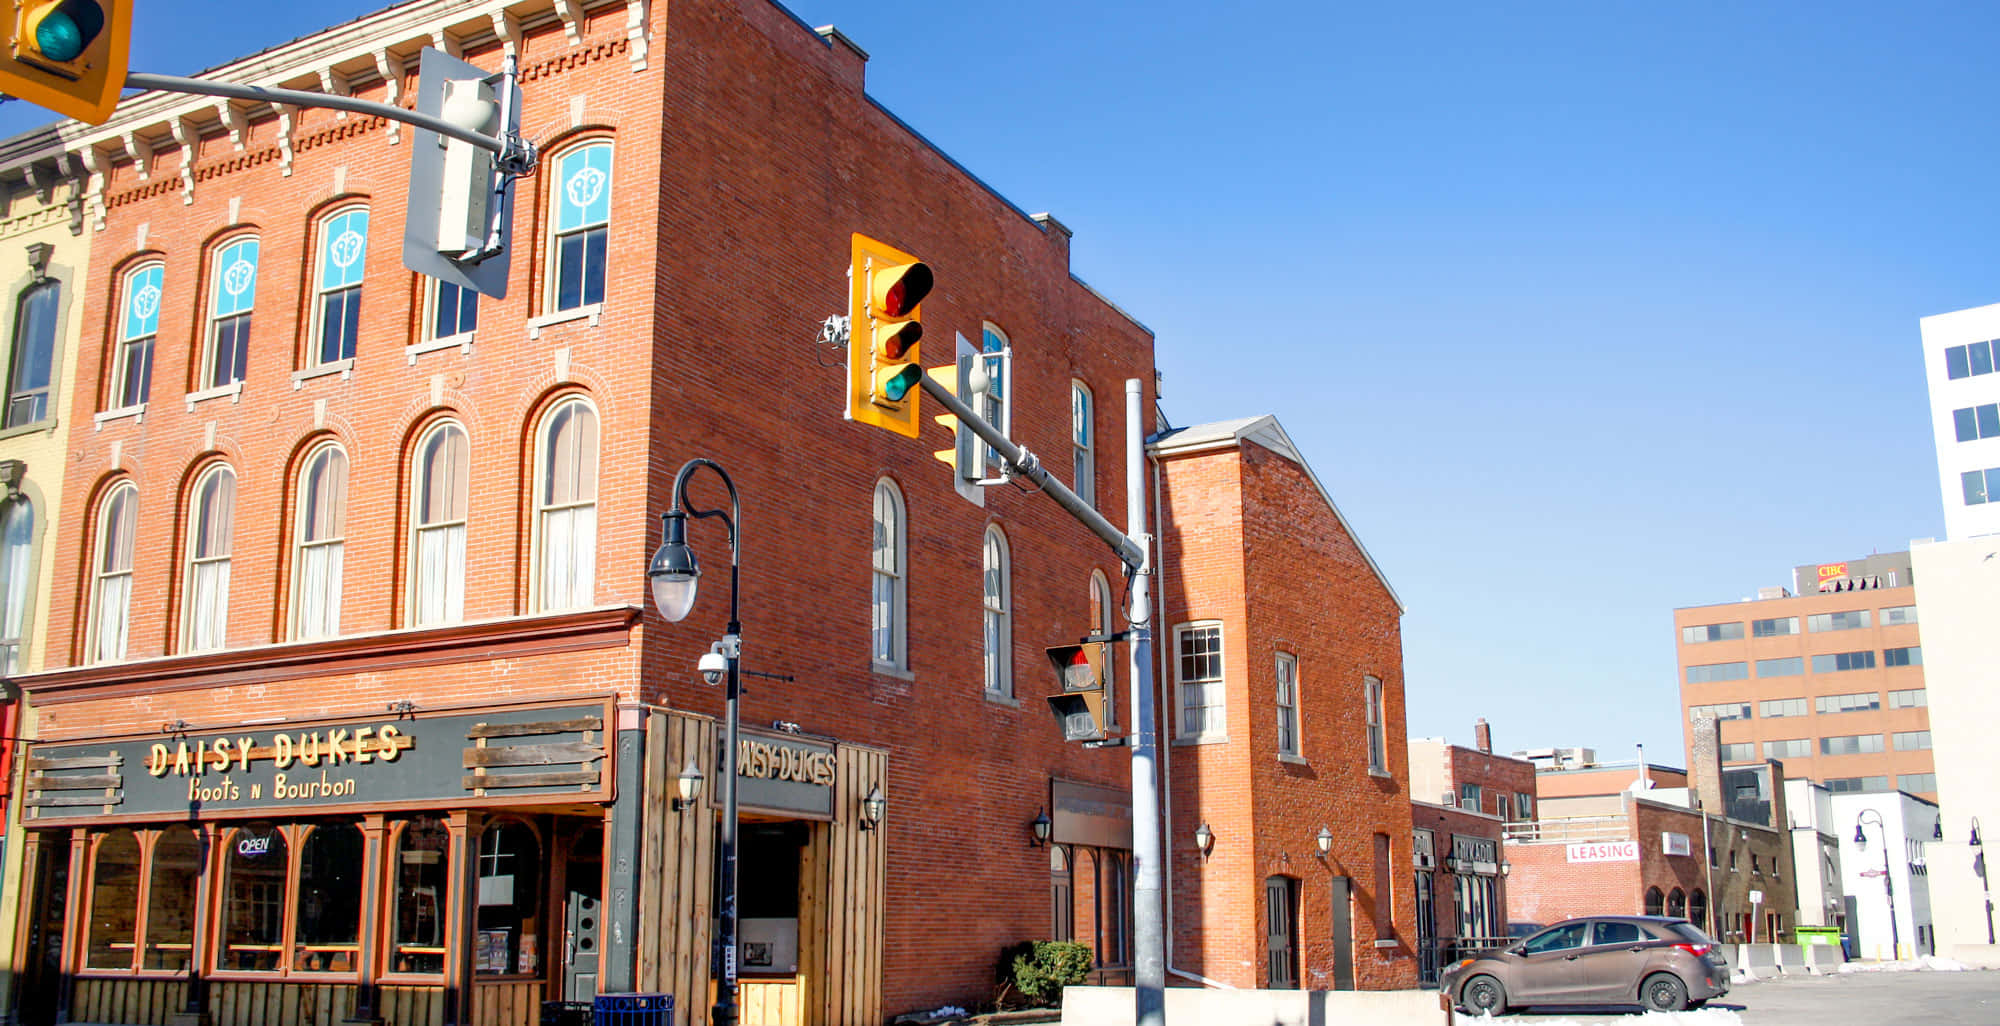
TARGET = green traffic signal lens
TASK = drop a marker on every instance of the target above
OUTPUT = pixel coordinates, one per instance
(899, 386)
(58, 37)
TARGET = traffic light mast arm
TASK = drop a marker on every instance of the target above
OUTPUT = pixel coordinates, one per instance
(510, 151)
(1025, 464)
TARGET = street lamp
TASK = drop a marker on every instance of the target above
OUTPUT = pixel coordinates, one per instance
(1888, 881)
(1979, 867)
(673, 574)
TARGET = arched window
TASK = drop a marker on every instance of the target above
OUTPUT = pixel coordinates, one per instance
(17, 550)
(996, 350)
(997, 589)
(319, 543)
(233, 293)
(417, 929)
(441, 477)
(1655, 901)
(1062, 894)
(138, 325)
(510, 873)
(566, 506)
(1677, 902)
(328, 929)
(1083, 456)
(114, 902)
(255, 882)
(1698, 910)
(211, 526)
(579, 227)
(111, 578)
(889, 600)
(31, 364)
(170, 900)
(340, 265)
(1104, 620)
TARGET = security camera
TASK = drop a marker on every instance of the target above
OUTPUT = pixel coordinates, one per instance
(713, 666)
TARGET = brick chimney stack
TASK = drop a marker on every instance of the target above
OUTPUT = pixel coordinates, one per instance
(1482, 735)
(1705, 765)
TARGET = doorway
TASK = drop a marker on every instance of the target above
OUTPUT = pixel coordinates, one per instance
(41, 991)
(1341, 897)
(583, 912)
(1281, 933)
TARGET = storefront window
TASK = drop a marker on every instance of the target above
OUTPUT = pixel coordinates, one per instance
(253, 899)
(417, 945)
(114, 902)
(510, 871)
(170, 900)
(329, 909)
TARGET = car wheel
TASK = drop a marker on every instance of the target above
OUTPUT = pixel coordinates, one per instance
(1484, 994)
(1663, 992)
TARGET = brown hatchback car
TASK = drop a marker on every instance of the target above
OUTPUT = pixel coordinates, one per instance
(1662, 963)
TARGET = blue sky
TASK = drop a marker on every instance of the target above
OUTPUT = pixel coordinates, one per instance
(1582, 311)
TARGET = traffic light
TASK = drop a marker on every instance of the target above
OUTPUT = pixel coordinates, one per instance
(885, 288)
(962, 454)
(67, 55)
(1080, 708)
(454, 185)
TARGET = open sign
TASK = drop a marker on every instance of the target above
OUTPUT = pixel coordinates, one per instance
(254, 846)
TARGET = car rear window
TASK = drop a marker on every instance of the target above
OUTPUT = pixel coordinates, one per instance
(1617, 933)
(1688, 931)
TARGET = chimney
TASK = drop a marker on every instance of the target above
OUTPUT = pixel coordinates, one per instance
(1705, 765)
(1482, 735)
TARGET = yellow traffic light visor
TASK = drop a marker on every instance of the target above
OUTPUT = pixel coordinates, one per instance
(897, 289)
(59, 31)
(66, 55)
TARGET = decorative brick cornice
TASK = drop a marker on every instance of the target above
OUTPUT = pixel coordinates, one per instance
(512, 638)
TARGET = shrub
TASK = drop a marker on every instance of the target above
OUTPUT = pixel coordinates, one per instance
(1039, 970)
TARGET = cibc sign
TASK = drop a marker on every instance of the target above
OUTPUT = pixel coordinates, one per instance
(1607, 851)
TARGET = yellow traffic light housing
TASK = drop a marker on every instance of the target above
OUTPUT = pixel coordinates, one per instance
(886, 287)
(1079, 710)
(66, 55)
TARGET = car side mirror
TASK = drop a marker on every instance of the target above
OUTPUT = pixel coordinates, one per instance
(1517, 949)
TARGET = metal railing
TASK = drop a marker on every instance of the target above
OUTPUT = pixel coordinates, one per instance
(1582, 829)
(1435, 953)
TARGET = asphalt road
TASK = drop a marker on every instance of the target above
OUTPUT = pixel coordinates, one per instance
(1840, 999)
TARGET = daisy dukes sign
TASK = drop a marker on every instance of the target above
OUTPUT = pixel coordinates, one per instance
(1609, 851)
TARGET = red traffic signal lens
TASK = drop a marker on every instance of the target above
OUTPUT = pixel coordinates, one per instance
(901, 339)
(908, 287)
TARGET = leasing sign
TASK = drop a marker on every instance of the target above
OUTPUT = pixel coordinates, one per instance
(1608, 851)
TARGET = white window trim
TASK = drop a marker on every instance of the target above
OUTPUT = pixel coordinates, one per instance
(593, 311)
(344, 368)
(1105, 615)
(1296, 753)
(232, 392)
(1209, 734)
(316, 295)
(414, 568)
(206, 369)
(1001, 689)
(299, 542)
(94, 622)
(899, 612)
(1085, 484)
(461, 342)
(137, 414)
(192, 565)
(538, 511)
(551, 240)
(1377, 709)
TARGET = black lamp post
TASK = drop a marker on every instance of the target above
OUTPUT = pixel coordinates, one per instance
(673, 574)
(1888, 881)
(1979, 867)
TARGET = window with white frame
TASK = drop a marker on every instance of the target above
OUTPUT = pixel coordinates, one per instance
(17, 540)
(1199, 682)
(138, 326)
(997, 588)
(32, 359)
(111, 573)
(1378, 746)
(566, 506)
(1083, 460)
(1104, 621)
(211, 526)
(580, 227)
(343, 256)
(1288, 703)
(319, 543)
(889, 595)
(232, 296)
(441, 479)
(454, 310)
(993, 403)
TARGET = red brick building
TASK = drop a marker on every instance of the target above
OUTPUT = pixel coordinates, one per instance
(1462, 799)
(1284, 650)
(392, 550)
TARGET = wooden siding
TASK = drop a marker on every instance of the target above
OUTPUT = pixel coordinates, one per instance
(126, 1000)
(514, 1003)
(678, 867)
(841, 930)
(768, 1003)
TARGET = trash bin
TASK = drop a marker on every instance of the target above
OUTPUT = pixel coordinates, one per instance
(566, 1013)
(632, 1010)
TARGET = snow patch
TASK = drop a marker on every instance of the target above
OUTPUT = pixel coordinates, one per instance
(1698, 1017)
(1927, 963)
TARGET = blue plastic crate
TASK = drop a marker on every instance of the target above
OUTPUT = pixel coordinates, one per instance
(632, 1010)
